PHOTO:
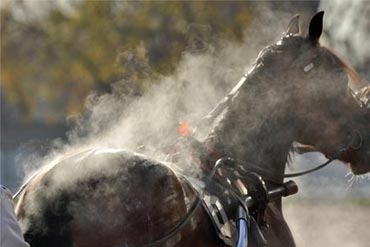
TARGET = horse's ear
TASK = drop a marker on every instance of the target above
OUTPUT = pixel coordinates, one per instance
(293, 26)
(316, 26)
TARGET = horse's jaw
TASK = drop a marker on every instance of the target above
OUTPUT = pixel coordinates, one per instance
(359, 169)
(357, 160)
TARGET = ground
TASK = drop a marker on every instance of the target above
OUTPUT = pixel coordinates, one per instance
(335, 223)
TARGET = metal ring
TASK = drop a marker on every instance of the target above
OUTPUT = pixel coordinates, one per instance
(359, 144)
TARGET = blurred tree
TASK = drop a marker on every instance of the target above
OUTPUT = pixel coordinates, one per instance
(57, 57)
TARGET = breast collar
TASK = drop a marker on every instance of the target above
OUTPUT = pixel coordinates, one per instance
(221, 197)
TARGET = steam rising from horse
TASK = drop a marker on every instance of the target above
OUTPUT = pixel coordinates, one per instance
(297, 91)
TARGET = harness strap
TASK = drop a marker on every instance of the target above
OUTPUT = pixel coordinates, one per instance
(193, 208)
(297, 174)
(224, 226)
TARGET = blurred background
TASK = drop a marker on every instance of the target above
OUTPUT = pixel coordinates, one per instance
(56, 55)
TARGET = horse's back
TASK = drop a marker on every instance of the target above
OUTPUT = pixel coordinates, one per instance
(103, 197)
(111, 197)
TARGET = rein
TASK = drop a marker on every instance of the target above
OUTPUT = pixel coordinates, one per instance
(355, 143)
(298, 174)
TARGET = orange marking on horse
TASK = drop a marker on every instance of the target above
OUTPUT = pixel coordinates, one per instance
(184, 128)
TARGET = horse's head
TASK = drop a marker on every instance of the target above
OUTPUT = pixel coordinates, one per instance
(328, 114)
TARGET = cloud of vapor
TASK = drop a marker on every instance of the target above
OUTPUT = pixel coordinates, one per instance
(201, 79)
(347, 33)
(199, 82)
(148, 124)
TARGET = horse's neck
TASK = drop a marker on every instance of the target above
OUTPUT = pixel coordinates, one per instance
(263, 142)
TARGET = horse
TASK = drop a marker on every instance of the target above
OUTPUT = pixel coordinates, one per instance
(296, 92)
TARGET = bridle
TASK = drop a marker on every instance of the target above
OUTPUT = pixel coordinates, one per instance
(355, 143)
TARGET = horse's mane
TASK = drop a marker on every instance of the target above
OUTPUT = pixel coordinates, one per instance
(253, 89)
(356, 82)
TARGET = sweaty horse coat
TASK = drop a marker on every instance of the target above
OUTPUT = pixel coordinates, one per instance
(118, 198)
